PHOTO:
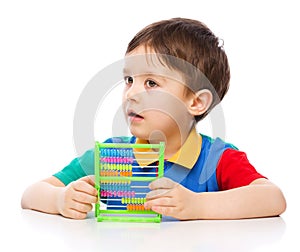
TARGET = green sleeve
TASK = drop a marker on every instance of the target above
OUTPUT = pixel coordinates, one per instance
(78, 168)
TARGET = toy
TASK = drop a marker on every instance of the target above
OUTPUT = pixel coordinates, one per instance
(122, 176)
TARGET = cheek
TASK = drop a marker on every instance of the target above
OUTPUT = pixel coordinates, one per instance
(124, 95)
(161, 119)
(124, 106)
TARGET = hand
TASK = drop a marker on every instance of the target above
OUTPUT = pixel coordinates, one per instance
(172, 199)
(75, 200)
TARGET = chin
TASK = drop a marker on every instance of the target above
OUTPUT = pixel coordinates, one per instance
(139, 133)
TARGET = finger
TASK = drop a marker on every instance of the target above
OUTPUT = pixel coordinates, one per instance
(74, 214)
(81, 207)
(165, 210)
(162, 202)
(89, 179)
(157, 193)
(162, 206)
(83, 186)
(84, 197)
(162, 183)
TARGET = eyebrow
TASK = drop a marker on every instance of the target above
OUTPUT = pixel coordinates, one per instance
(126, 71)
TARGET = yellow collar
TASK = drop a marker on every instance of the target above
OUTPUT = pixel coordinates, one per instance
(186, 156)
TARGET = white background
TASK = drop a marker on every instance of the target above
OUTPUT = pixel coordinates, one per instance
(49, 51)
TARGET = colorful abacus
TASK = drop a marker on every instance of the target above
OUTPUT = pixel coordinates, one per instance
(122, 175)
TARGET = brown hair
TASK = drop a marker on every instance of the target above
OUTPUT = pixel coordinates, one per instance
(193, 42)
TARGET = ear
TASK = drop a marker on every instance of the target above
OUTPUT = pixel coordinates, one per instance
(200, 102)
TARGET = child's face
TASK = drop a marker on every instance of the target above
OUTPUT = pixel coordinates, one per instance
(154, 98)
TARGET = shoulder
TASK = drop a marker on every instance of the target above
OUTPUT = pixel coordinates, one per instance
(235, 170)
(208, 141)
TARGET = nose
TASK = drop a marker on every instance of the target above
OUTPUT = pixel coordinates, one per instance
(132, 91)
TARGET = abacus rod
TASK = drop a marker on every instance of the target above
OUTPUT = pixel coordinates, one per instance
(120, 199)
(149, 173)
(149, 166)
(119, 206)
(136, 186)
(127, 178)
(128, 145)
(134, 166)
(144, 172)
(146, 152)
(111, 199)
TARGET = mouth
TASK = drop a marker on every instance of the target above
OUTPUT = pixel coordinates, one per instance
(134, 116)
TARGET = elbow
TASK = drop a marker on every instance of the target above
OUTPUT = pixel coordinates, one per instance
(282, 206)
(279, 202)
(24, 204)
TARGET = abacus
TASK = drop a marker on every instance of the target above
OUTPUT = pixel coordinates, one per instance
(123, 172)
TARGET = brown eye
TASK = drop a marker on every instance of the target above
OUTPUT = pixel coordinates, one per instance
(151, 84)
(128, 80)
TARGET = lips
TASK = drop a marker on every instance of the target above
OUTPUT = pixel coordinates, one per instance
(134, 116)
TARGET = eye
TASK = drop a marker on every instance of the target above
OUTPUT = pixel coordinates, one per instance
(128, 80)
(151, 84)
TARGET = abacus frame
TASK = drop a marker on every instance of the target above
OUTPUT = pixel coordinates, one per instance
(126, 215)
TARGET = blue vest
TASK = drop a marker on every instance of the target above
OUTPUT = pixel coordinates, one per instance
(202, 177)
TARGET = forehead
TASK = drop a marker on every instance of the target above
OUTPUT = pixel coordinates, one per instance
(144, 61)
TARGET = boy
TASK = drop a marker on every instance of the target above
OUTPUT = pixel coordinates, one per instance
(175, 73)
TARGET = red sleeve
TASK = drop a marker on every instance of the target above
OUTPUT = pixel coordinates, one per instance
(234, 170)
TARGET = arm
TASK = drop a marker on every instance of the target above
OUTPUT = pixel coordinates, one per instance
(52, 196)
(259, 199)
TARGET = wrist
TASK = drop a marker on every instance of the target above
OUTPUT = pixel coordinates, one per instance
(59, 199)
(200, 206)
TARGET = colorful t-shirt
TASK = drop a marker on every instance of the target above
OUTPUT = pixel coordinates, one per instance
(202, 164)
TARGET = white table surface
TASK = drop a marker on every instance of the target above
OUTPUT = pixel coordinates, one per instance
(34, 231)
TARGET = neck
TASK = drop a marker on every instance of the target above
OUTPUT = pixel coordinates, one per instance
(173, 142)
